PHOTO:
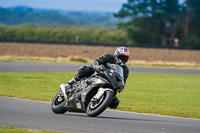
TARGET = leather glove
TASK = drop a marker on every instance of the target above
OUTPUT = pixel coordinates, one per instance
(98, 68)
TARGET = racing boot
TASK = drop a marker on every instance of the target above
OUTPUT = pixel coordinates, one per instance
(63, 90)
(68, 87)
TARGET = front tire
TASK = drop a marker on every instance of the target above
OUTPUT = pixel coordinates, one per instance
(57, 104)
(94, 110)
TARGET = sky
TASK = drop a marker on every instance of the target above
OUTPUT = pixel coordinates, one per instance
(73, 5)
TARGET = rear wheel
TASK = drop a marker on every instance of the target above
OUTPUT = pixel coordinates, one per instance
(57, 104)
(96, 107)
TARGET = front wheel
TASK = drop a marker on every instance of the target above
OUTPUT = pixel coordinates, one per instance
(96, 107)
(57, 104)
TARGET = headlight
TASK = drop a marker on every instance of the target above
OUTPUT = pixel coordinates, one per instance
(121, 87)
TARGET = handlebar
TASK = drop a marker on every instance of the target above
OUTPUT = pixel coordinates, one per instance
(109, 65)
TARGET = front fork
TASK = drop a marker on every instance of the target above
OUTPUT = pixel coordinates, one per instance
(100, 93)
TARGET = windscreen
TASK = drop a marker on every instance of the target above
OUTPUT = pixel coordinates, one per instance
(119, 71)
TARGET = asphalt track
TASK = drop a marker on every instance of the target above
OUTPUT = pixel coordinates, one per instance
(38, 115)
(54, 67)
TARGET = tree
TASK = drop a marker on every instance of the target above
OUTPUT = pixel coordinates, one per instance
(147, 19)
(191, 22)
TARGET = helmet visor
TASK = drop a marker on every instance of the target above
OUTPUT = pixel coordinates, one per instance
(123, 58)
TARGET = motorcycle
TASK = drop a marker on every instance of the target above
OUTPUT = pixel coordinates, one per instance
(93, 94)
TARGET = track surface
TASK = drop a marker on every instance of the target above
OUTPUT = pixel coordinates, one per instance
(51, 67)
(38, 115)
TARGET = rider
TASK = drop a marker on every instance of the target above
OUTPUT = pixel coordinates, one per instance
(120, 57)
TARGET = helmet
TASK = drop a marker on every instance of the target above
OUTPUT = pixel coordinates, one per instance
(122, 55)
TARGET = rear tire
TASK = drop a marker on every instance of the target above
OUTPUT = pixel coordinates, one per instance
(95, 110)
(57, 104)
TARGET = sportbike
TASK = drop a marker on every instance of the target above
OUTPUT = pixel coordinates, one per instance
(93, 94)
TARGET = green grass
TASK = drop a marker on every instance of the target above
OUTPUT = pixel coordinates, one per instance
(34, 86)
(22, 130)
(174, 95)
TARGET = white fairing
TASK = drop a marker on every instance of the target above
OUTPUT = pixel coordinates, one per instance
(99, 81)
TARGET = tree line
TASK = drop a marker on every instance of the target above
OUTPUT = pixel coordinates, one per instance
(161, 22)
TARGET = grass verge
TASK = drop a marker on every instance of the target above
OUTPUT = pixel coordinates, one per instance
(174, 95)
(23, 130)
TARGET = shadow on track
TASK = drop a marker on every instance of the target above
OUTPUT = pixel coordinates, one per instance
(121, 119)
